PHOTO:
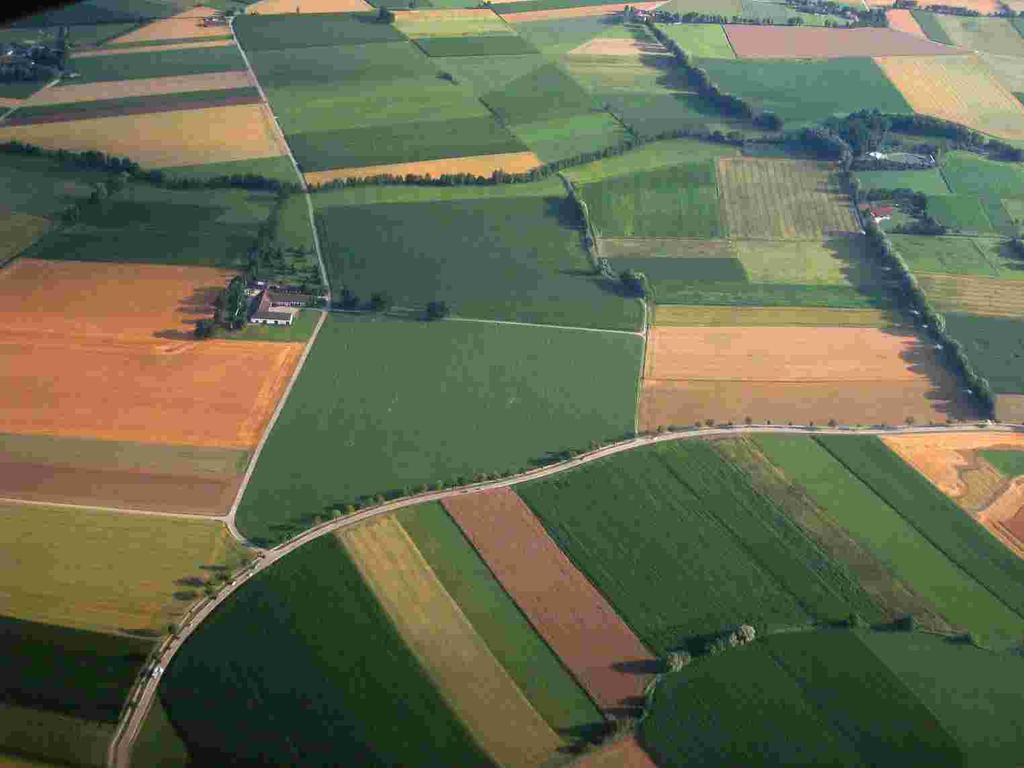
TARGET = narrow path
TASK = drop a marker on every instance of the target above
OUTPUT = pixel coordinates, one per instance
(457, 319)
(25, 102)
(118, 510)
(141, 698)
(643, 367)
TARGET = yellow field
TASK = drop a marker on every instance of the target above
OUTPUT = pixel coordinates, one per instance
(782, 199)
(163, 139)
(104, 571)
(148, 86)
(17, 232)
(474, 683)
(957, 88)
(270, 7)
(771, 316)
(480, 165)
(184, 25)
(451, 23)
(975, 295)
(1010, 407)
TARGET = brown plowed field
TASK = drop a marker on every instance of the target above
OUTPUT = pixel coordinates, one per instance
(101, 350)
(568, 612)
(792, 374)
(761, 42)
(152, 86)
(180, 27)
(152, 48)
(625, 753)
(1004, 517)
(480, 165)
(903, 20)
(615, 46)
(163, 139)
(578, 12)
(269, 7)
(5, 102)
(171, 104)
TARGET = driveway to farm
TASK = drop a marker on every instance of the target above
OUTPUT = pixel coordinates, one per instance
(141, 698)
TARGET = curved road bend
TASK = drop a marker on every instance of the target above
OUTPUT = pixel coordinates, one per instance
(141, 698)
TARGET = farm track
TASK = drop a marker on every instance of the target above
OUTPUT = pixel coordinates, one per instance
(141, 698)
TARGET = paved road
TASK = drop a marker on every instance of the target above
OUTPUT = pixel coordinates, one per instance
(141, 698)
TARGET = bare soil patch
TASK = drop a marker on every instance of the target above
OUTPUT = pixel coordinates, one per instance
(625, 753)
(6, 102)
(151, 48)
(779, 42)
(1004, 517)
(184, 25)
(480, 165)
(944, 458)
(154, 86)
(163, 139)
(613, 46)
(270, 7)
(568, 612)
(903, 20)
(579, 11)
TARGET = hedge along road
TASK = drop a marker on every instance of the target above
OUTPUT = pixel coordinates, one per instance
(141, 698)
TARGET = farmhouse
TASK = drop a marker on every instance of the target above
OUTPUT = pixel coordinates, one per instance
(270, 311)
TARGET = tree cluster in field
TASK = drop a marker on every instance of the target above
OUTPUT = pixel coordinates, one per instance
(29, 63)
(870, 17)
(230, 310)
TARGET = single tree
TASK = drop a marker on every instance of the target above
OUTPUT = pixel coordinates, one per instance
(437, 310)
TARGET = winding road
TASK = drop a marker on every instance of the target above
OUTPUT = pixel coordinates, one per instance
(141, 698)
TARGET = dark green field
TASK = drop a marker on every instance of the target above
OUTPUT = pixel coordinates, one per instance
(960, 213)
(380, 429)
(132, 66)
(517, 258)
(42, 186)
(895, 699)
(339, 64)
(764, 295)
(984, 257)
(498, 620)
(969, 174)
(654, 526)
(807, 91)
(680, 201)
(544, 93)
(149, 104)
(931, 27)
(322, 663)
(995, 347)
(406, 142)
(652, 114)
(484, 45)
(662, 272)
(277, 168)
(539, 5)
(1010, 463)
(47, 738)
(308, 30)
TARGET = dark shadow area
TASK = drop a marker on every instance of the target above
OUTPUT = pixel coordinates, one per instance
(640, 667)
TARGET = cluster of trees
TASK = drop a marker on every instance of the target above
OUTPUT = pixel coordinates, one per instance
(26, 63)
(914, 298)
(230, 309)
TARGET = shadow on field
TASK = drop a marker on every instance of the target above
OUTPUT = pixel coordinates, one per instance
(639, 666)
(946, 391)
(195, 306)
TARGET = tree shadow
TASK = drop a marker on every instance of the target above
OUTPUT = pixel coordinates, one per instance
(196, 306)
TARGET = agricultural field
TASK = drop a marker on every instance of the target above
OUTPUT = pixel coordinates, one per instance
(754, 42)
(960, 213)
(678, 518)
(552, 384)
(984, 35)
(928, 182)
(705, 41)
(980, 257)
(993, 344)
(531, 237)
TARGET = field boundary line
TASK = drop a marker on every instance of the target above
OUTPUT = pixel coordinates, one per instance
(118, 510)
(141, 698)
(643, 368)
(291, 156)
(457, 319)
(229, 518)
(24, 102)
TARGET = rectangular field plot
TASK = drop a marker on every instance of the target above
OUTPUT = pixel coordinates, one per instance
(268, 7)
(968, 294)
(451, 23)
(259, 33)
(969, 174)
(959, 89)
(758, 42)
(475, 165)
(983, 35)
(176, 63)
(339, 66)
(17, 232)
(405, 142)
(981, 257)
(35, 738)
(645, 72)
(466, 45)
(995, 347)
(808, 91)
(562, 137)
(163, 139)
(384, 708)
(799, 199)
(540, 674)
(929, 182)
(155, 86)
(528, 240)
(701, 40)
(696, 316)
(566, 609)
(677, 519)
(797, 374)
(544, 92)
(185, 25)
(959, 213)
(107, 571)
(510, 376)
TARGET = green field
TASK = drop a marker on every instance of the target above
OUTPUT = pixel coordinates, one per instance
(892, 538)
(959, 256)
(41, 186)
(929, 23)
(679, 201)
(563, 137)
(531, 242)
(350, 693)
(969, 174)
(986, 35)
(483, 45)
(115, 107)
(21, 89)
(489, 73)
(399, 143)
(929, 181)
(309, 30)
(495, 616)
(145, 223)
(557, 36)
(804, 92)
(995, 347)
(394, 427)
(960, 213)
(46, 739)
(1009, 463)
(277, 168)
(158, 744)
(649, 157)
(133, 66)
(701, 40)
(340, 65)
(543, 93)
(766, 295)
(654, 525)
(896, 698)
(653, 114)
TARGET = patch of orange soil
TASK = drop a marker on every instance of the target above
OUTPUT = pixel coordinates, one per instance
(270, 7)
(5, 102)
(625, 753)
(184, 25)
(105, 301)
(578, 11)
(151, 48)
(479, 165)
(903, 20)
(151, 86)
(163, 139)
(943, 458)
(608, 46)
(1004, 517)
